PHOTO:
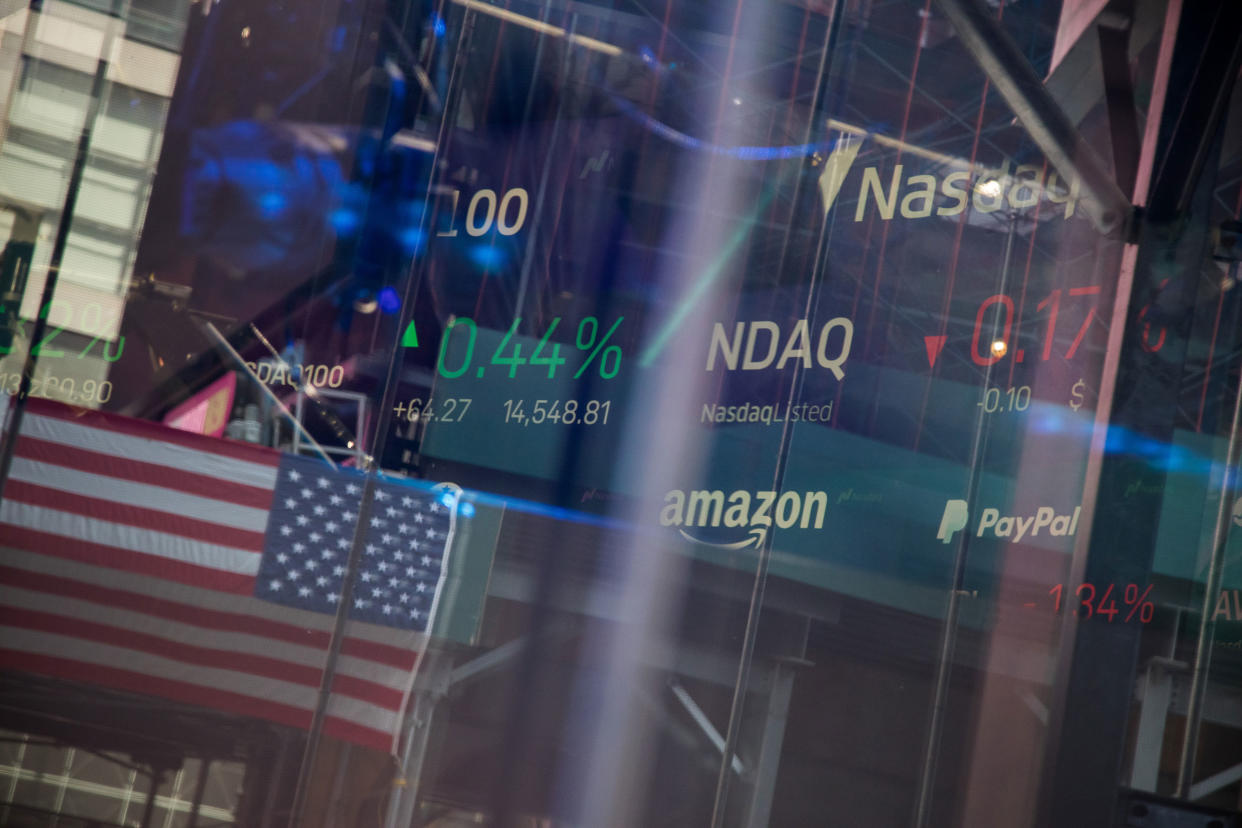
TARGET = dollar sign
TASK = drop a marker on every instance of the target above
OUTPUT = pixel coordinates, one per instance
(1077, 394)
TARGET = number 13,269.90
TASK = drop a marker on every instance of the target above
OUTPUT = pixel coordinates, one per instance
(58, 388)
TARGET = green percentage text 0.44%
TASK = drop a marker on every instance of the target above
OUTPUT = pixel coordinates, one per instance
(596, 348)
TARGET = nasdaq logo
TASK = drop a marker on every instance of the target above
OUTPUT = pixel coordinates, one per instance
(984, 190)
(836, 167)
(756, 512)
(829, 348)
(1012, 527)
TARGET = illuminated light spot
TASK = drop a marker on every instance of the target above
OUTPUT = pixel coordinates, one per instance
(271, 204)
(438, 26)
(999, 348)
(411, 239)
(343, 221)
(737, 101)
(466, 510)
(245, 32)
(448, 498)
(389, 301)
(991, 189)
(486, 256)
(1048, 424)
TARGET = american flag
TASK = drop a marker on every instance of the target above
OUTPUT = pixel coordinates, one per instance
(208, 571)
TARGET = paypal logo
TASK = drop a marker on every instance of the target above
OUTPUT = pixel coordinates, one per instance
(956, 516)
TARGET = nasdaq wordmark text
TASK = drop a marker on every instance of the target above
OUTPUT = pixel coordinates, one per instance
(754, 346)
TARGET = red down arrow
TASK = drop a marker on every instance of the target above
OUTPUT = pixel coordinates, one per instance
(935, 344)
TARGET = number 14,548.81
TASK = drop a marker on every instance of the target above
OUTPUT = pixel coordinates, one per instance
(567, 412)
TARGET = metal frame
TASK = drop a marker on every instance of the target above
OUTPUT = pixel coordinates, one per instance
(1045, 121)
(359, 423)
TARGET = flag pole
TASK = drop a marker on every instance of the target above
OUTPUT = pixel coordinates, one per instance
(383, 425)
(315, 734)
(419, 714)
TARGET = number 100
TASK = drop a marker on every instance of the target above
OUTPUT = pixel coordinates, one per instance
(484, 210)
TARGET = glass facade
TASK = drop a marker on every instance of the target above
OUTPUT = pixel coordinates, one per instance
(621, 413)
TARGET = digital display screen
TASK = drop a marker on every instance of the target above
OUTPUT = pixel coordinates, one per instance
(582, 411)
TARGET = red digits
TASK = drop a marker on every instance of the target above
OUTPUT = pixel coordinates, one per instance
(991, 358)
(1053, 299)
(1145, 340)
(1086, 602)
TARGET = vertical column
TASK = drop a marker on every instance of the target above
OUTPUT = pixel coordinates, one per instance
(773, 736)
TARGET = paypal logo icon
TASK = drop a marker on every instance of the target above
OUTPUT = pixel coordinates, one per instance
(953, 520)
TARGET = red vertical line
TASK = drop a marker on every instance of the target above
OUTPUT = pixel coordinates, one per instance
(789, 110)
(431, 286)
(905, 124)
(500, 192)
(550, 240)
(491, 244)
(957, 244)
(773, 208)
(728, 67)
(772, 218)
(560, 204)
(566, 179)
(491, 72)
(1026, 275)
(509, 152)
(1097, 278)
(866, 248)
(787, 135)
(862, 268)
(487, 100)
(655, 82)
(714, 138)
(1207, 369)
(655, 92)
(1220, 304)
(668, 15)
(478, 302)
(879, 265)
(715, 131)
(797, 73)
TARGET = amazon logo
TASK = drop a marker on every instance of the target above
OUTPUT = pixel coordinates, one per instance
(756, 512)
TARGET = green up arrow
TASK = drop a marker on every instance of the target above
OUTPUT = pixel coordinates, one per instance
(410, 338)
